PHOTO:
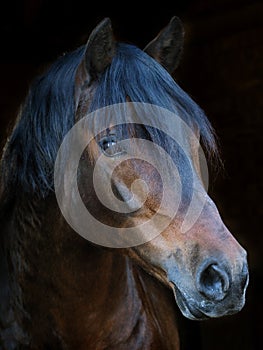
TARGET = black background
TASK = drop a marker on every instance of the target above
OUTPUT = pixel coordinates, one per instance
(221, 69)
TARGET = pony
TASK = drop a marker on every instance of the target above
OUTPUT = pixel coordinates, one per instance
(65, 286)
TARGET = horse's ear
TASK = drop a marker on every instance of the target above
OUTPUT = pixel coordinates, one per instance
(100, 50)
(167, 46)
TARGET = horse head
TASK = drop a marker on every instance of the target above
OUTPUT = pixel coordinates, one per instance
(138, 142)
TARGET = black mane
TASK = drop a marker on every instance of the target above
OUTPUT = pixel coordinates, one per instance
(45, 118)
(49, 112)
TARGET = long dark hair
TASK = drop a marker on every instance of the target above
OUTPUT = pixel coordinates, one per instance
(49, 112)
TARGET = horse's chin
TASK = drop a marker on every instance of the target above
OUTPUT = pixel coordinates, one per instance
(188, 307)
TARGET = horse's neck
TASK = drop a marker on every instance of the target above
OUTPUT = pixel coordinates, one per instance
(78, 296)
(114, 304)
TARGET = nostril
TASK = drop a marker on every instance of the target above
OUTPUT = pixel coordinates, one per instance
(213, 282)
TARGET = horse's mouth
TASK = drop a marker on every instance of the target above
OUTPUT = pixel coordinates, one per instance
(188, 306)
(204, 309)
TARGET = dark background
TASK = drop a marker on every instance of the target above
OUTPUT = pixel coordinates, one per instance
(221, 69)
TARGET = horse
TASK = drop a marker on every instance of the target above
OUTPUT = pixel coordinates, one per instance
(120, 278)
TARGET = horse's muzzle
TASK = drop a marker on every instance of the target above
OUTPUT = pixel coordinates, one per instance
(216, 292)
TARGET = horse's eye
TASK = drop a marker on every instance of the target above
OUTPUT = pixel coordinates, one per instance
(107, 142)
(109, 146)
